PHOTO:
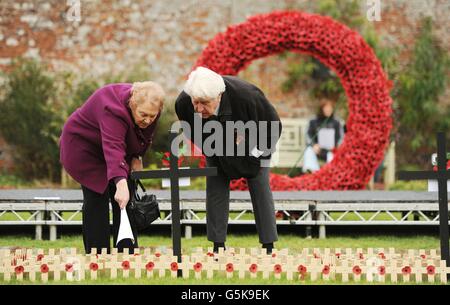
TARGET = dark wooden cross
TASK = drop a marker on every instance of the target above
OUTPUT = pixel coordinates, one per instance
(174, 173)
(442, 175)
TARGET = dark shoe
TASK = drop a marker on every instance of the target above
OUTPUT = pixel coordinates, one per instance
(217, 246)
(268, 247)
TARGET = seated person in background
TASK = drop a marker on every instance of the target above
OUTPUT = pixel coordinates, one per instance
(324, 134)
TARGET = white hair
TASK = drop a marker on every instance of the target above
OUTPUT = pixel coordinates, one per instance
(204, 83)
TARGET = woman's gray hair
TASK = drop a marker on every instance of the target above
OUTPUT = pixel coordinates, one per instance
(148, 92)
(204, 83)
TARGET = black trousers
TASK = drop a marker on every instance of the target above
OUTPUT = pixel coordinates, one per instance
(96, 225)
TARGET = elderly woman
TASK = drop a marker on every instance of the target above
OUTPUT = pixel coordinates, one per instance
(101, 142)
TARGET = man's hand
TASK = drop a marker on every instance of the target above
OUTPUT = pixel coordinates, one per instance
(122, 195)
(136, 165)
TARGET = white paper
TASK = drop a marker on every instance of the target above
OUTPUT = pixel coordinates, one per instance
(125, 231)
(326, 138)
(433, 185)
(185, 181)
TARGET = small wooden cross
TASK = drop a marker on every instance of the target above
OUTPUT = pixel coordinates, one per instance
(185, 266)
(112, 265)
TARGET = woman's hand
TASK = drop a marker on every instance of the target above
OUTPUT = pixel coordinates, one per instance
(136, 165)
(122, 195)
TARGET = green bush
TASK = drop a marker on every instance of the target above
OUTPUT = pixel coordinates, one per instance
(418, 89)
(27, 118)
(10, 181)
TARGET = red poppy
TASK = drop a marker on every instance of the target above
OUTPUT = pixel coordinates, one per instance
(423, 256)
(40, 257)
(301, 269)
(229, 267)
(19, 269)
(174, 266)
(381, 255)
(382, 270)
(150, 266)
(210, 254)
(44, 268)
(357, 270)
(361, 256)
(277, 269)
(93, 266)
(157, 254)
(338, 255)
(68, 267)
(326, 270)
(431, 270)
(126, 265)
(253, 268)
(406, 270)
(198, 267)
(274, 255)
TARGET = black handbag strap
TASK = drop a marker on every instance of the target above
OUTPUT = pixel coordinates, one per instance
(134, 187)
(141, 185)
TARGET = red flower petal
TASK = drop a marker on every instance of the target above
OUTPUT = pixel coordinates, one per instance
(253, 268)
(93, 266)
(149, 266)
(126, 265)
(19, 269)
(198, 267)
(301, 269)
(431, 270)
(406, 270)
(174, 266)
(229, 267)
(44, 268)
(356, 270)
(277, 269)
(68, 267)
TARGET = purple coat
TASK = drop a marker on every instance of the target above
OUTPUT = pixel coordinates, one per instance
(100, 138)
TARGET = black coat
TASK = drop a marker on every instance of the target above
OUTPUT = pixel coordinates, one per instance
(244, 102)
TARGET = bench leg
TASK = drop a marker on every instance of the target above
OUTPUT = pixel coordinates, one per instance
(322, 230)
(188, 228)
(38, 229)
(53, 228)
(308, 227)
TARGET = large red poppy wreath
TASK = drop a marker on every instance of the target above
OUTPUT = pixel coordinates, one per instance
(342, 50)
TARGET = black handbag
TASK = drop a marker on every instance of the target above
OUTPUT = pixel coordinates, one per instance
(145, 209)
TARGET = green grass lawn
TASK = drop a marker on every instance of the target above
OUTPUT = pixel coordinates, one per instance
(293, 242)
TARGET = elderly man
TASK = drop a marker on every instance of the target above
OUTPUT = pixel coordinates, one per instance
(228, 99)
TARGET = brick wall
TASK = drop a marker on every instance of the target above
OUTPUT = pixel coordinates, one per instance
(167, 37)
